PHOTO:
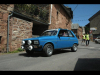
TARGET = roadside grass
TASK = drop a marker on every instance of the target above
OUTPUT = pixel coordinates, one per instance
(16, 51)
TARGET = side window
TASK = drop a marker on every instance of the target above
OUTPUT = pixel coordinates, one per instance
(70, 34)
(60, 33)
(63, 33)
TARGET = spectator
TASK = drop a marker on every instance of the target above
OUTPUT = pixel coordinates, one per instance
(87, 39)
(83, 39)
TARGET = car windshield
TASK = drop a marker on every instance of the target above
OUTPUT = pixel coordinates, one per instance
(49, 33)
(98, 37)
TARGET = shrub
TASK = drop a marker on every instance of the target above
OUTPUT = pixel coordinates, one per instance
(16, 51)
(19, 49)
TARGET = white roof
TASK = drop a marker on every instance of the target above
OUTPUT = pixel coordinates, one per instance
(52, 29)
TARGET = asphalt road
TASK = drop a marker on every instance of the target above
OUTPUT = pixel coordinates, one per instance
(87, 58)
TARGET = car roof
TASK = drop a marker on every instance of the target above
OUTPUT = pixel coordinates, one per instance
(56, 29)
(52, 29)
(63, 29)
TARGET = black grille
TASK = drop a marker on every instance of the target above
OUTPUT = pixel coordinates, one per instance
(26, 47)
(26, 42)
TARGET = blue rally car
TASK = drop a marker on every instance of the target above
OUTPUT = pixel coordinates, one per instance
(51, 40)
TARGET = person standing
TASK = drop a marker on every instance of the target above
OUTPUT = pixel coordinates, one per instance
(83, 38)
(87, 39)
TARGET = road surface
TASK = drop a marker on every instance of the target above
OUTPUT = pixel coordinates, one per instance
(87, 58)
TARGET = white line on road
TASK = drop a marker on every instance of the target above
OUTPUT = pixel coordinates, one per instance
(88, 47)
(91, 47)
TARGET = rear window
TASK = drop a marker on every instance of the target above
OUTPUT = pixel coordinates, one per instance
(70, 34)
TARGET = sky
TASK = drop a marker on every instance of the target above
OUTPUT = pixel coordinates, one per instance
(82, 12)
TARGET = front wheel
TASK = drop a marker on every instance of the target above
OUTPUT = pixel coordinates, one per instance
(74, 48)
(96, 42)
(48, 50)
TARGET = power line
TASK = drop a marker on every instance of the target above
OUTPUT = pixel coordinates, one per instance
(75, 7)
(80, 20)
(84, 16)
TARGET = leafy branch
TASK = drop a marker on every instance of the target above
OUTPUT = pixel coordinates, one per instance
(32, 11)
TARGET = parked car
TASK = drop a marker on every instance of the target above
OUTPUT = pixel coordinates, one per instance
(97, 40)
(51, 40)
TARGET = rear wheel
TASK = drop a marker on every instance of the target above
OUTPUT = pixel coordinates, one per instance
(74, 48)
(48, 50)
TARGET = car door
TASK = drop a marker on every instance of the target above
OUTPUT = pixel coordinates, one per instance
(63, 40)
(71, 38)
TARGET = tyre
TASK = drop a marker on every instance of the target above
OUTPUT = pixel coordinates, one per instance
(96, 42)
(29, 52)
(74, 48)
(48, 50)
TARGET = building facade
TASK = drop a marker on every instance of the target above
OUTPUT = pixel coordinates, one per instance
(95, 23)
(78, 30)
(59, 18)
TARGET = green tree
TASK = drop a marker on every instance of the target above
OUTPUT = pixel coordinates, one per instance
(87, 29)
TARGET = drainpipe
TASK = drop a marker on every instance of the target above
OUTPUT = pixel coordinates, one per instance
(50, 14)
(8, 33)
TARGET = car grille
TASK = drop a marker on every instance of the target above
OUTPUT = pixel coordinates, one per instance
(26, 47)
(26, 42)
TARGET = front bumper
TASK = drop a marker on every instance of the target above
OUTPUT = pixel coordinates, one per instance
(34, 47)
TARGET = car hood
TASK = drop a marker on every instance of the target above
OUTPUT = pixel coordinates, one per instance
(41, 37)
(97, 39)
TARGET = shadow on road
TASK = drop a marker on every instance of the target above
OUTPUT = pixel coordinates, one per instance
(36, 54)
(61, 51)
(87, 64)
(40, 54)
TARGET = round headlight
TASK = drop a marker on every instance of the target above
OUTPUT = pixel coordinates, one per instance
(23, 42)
(29, 42)
(30, 47)
(22, 47)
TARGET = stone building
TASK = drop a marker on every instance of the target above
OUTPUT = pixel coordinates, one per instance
(78, 30)
(60, 17)
(15, 26)
(95, 24)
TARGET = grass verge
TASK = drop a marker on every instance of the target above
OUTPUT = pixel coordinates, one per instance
(16, 51)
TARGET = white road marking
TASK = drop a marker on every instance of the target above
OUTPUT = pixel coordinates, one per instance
(91, 47)
(88, 47)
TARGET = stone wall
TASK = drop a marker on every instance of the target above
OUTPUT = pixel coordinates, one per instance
(4, 12)
(19, 30)
(80, 32)
(59, 18)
